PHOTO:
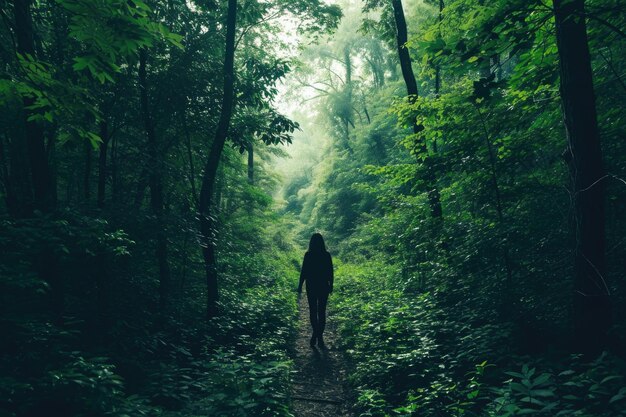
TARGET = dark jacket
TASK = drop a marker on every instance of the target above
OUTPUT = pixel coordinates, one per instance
(317, 271)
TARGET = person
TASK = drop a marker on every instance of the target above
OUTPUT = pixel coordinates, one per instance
(317, 271)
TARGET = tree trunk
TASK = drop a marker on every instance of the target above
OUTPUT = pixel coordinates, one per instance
(17, 181)
(156, 183)
(87, 173)
(438, 67)
(348, 90)
(403, 51)
(592, 308)
(51, 157)
(192, 170)
(506, 301)
(102, 162)
(115, 183)
(251, 163)
(220, 182)
(207, 221)
(41, 174)
(412, 91)
(349, 86)
(4, 174)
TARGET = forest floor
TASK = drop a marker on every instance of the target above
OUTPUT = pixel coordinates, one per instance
(318, 386)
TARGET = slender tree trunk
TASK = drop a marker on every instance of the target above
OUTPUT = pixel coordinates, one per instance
(192, 169)
(18, 189)
(403, 51)
(87, 173)
(348, 89)
(4, 173)
(377, 63)
(251, 163)
(102, 162)
(506, 300)
(51, 157)
(41, 174)
(592, 307)
(220, 181)
(438, 67)
(250, 148)
(142, 184)
(207, 221)
(115, 189)
(412, 91)
(156, 183)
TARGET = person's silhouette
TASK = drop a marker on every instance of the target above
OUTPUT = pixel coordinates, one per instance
(317, 271)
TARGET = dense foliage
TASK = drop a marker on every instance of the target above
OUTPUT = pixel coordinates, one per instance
(471, 313)
(457, 214)
(107, 113)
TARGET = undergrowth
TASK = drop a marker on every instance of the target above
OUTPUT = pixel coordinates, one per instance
(413, 356)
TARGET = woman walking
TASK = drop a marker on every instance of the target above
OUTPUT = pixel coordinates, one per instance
(317, 271)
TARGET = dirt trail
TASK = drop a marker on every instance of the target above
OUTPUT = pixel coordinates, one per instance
(318, 382)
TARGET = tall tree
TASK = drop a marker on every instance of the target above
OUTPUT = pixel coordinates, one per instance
(438, 66)
(413, 94)
(102, 161)
(403, 54)
(155, 181)
(592, 309)
(250, 150)
(207, 225)
(41, 174)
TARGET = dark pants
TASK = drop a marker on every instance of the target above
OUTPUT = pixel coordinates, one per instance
(317, 311)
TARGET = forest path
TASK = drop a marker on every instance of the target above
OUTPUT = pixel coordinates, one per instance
(317, 388)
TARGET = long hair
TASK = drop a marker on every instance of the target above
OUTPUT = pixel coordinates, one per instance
(316, 244)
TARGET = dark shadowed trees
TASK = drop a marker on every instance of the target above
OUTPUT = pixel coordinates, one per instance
(413, 94)
(40, 172)
(592, 309)
(155, 179)
(207, 228)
